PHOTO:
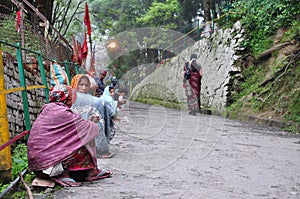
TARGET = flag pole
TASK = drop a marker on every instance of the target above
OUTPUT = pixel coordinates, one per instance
(91, 44)
(88, 25)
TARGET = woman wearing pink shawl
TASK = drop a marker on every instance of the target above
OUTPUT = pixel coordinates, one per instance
(61, 142)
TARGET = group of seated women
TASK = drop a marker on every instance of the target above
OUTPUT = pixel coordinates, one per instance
(70, 132)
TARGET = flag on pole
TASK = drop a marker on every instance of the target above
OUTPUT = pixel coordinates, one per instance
(87, 19)
(84, 49)
(18, 20)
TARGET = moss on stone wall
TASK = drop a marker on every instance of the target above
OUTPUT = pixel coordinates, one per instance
(164, 103)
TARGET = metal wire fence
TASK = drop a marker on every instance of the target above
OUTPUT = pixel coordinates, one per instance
(33, 34)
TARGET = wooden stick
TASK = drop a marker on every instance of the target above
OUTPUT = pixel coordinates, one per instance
(26, 187)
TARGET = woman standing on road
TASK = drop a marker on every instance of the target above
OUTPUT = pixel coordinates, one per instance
(61, 142)
(192, 84)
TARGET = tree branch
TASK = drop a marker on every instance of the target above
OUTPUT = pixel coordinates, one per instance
(73, 15)
(64, 15)
(290, 62)
(26, 186)
(98, 18)
(268, 52)
(282, 71)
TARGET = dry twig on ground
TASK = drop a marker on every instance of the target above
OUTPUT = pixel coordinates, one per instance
(26, 187)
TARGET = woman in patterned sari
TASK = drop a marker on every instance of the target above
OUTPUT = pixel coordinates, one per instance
(86, 104)
(192, 84)
(61, 143)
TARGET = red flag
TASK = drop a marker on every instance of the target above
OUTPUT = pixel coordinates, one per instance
(84, 48)
(18, 20)
(87, 19)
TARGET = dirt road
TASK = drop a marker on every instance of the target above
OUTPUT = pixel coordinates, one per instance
(166, 153)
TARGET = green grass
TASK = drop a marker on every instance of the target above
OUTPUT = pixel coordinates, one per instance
(19, 164)
(163, 103)
(19, 160)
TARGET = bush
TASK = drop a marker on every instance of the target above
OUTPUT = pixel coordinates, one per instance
(19, 160)
(263, 18)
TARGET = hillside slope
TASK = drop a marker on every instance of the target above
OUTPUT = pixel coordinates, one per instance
(271, 88)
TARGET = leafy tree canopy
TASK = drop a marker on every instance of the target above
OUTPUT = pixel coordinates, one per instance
(188, 9)
(161, 15)
(263, 18)
(114, 16)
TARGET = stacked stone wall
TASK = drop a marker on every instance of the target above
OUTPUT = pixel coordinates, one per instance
(36, 97)
(218, 55)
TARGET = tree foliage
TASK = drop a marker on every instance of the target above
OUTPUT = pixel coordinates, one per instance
(263, 18)
(188, 9)
(161, 14)
(113, 16)
(68, 16)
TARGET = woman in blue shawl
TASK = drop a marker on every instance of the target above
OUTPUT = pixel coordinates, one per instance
(108, 97)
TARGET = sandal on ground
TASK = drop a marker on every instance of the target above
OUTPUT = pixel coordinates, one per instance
(108, 155)
(104, 173)
(67, 182)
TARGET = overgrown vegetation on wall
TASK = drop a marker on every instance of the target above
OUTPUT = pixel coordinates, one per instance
(262, 19)
(10, 35)
(271, 85)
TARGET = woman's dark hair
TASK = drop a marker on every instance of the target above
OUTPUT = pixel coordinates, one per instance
(84, 77)
(193, 56)
(111, 87)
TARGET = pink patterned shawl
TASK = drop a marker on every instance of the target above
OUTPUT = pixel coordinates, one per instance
(57, 133)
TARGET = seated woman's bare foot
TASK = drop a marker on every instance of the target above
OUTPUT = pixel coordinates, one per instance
(65, 180)
(107, 155)
(98, 174)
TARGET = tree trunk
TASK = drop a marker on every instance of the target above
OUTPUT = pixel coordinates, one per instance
(45, 7)
(268, 52)
(206, 8)
(7, 7)
(213, 8)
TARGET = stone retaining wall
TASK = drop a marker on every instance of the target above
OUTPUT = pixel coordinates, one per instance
(36, 97)
(217, 55)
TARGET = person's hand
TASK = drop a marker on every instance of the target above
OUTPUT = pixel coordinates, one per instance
(94, 118)
(184, 85)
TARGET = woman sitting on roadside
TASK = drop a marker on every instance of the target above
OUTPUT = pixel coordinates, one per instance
(85, 104)
(61, 143)
(107, 96)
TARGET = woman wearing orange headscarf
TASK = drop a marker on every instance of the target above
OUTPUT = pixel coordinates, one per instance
(86, 105)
